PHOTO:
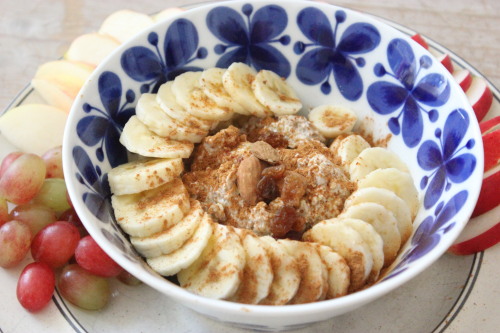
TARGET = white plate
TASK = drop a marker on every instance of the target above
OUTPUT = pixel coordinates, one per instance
(435, 301)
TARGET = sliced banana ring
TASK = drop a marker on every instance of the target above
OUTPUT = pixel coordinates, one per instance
(339, 273)
(190, 96)
(211, 83)
(374, 158)
(237, 81)
(332, 120)
(137, 138)
(275, 94)
(350, 147)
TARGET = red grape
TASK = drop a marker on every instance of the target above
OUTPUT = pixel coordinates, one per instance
(15, 238)
(84, 289)
(55, 244)
(128, 279)
(35, 286)
(90, 256)
(4, 211)
(22, 179)
(35, 216)
(53, 194)
(7, 160)
(53, 162)
(71, 216)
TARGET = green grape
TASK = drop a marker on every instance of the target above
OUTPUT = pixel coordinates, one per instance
(53, 195)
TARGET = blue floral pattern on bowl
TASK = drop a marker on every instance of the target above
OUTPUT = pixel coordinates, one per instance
(446, 159)
(332, 57)
(152, 67)
(410, 93)
(377, 71)
(249, 38)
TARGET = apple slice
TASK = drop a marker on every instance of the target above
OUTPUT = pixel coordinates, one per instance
(463, 78)
(419, 39)
(490, 125)
(91, 48)
(444, 59)
(488, 196)
(34, 128)
(491, 144)
(167, 12)
(479, 234)
(124, 24)
(480, 97)
(58, 82)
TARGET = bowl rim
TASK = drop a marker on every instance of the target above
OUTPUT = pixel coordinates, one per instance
(355, 299)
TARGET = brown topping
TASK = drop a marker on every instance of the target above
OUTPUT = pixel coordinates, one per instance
(264, 151)
(248, 176)
(293, 189)
(267, 189)
(287, 219)
(277, 171)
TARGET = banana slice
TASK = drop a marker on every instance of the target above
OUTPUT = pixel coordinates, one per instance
(142, 175)
(331, 120)
(167, 101)
(286, 274)
(190, 96)
(172, 238)
(137, 138)
(349, 244)
(338, 271)
(150, 113)
(146, 213)
(218, 271)
(211, 83)
(396, 181)
(372, 159)
(383, 221)
(174, 262)
(275, 94)
(389, 200)
(350, 147)
(314, 275)
(372, 239)
(257, 274)
(237, 81)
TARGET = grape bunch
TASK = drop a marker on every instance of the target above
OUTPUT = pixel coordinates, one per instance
(43, 222)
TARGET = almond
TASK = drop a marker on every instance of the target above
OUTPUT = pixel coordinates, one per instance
(248, 176)
(264, 151)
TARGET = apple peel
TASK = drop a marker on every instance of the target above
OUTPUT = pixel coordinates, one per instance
(419, 39)
(463, 77)
(480, 97)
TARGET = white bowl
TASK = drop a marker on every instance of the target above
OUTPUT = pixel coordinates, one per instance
(328, 54)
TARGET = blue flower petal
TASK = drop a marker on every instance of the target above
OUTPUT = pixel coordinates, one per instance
(84, 165)
(461, 167)
(239, 54)
(92, 129)
(433, 90)
(386, 97)
(228, 25)
(413, 125)
(454, 130)
(347, 77)
(265, 56)
(123, 116)
(110, 91)
(117, 154)
(141, 64)
(435, 189)
(314, 67)
(315, 25)
(181, 42)
(429, 155)
(451, 208)
(267, 23)
(402, 62)
(359, 38)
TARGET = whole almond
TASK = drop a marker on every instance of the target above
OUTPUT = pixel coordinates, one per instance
(248, 176)
(264, 151)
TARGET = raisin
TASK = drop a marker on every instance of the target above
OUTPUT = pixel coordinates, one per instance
(286, 219)
(293, 189)
(267, 189)
(277, 172)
